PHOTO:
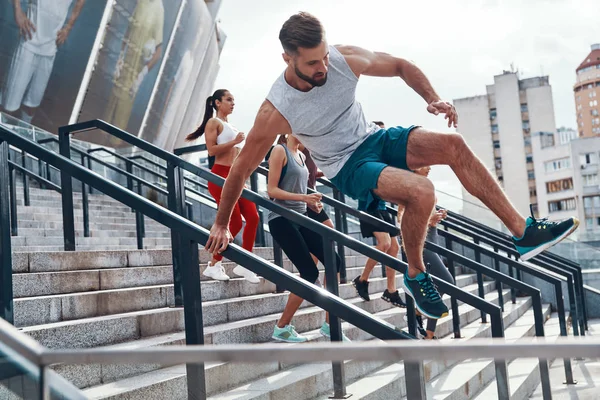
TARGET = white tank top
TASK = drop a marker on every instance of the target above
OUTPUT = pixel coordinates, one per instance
(228, 134)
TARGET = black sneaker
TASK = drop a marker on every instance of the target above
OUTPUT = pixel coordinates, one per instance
(541, 234)
(420, 327)
(393, 298)
(426, 297)
(362, 288)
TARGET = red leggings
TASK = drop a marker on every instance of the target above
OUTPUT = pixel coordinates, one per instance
(243, 207)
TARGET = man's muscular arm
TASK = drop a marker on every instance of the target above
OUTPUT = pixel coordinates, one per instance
(268, 124)
(366, 62)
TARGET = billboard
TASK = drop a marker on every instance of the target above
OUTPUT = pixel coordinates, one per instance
(175, 92)
(45, 46)
(127, 65)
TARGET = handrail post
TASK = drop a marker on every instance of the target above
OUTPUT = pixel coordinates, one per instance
(278, 259)
(14, 218)
(174, 182)
(480, 289)
(453, 301)
(6, 284)
(26, 199)
(498, 283)
(539, 332)
(260, 234)
(66, 183)
(139, 223)
(339, 226)
(85, 203)
(415, 380)
(563, 332)
(192, 310)
(335, 324)
(89, 166)
(41, 172)
(501, 370)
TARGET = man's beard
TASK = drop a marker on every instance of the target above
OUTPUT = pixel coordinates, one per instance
(311, 80)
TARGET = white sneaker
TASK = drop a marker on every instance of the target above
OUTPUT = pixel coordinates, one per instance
(216, 272)
(245, 273)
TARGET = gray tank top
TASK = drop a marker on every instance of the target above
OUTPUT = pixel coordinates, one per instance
(295, 180)
(327, 120)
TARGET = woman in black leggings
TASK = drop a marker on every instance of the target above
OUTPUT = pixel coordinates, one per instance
(432, 261)
(287, 186)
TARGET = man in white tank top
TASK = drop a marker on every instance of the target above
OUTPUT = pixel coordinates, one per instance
(314, 99)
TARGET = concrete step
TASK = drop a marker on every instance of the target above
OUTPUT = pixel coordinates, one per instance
(56, 205)
(94, 225)
(468, 377)
(45, 249)
(23, 212)
(260, 330)
(524, 373)
(36, 241)
(94, 232)
(389, 382)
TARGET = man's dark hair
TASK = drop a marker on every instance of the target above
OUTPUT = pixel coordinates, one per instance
(379, 123)
(301, 30)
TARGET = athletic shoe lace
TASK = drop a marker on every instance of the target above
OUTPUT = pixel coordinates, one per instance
(539, 221)
(429, 288)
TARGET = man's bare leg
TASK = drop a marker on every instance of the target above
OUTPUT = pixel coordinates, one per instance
(417, 195)
(389, 272)
(427, 148)
(383, 245)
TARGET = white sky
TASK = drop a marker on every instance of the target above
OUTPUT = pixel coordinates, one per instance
(459, 44)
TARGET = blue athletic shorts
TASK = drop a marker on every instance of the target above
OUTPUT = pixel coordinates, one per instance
(359, 176)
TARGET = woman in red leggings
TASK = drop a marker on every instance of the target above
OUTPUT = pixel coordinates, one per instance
(224, 142)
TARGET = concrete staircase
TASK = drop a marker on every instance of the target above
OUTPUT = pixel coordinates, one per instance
(116, 296)
(112, 224)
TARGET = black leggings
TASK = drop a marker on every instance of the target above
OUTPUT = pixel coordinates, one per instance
(435, 267)
(298, 243)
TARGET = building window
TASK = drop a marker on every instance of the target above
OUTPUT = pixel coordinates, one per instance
(496, 144)
(588, 159)
(559, 185)
(498, 162)
(532, 192)
(527, 140)
(494, 128)
(525, 125)
(529, 159)
(594, 112)
(493, 114)
(590, 180)
(530, 175)
(562, 205)
(557, 165)
(524, 108)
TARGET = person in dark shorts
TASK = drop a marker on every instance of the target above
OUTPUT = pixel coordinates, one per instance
(387, 242)
(286, 186)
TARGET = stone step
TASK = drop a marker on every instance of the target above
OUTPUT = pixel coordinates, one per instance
(30, 284)
(238, 296)
(94, 232)
(81, 260)
(468, 377)
(56, 206)
(524, 373)
(223, 376)
(36, 241)
(389, 382)
(45, 249)
(23, 212)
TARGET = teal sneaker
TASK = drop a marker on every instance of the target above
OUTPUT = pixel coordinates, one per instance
(327, 333)
(427, 299)
(541, 234)
(288, 334)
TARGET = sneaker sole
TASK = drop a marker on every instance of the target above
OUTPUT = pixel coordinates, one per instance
(546, 246)
(395, 305)
(215, 278)
(278, 339)
(425, 313)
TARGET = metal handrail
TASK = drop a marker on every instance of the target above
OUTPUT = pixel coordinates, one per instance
(174, 163)
(191, 236)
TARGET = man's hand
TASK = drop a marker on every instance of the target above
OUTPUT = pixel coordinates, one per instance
(219, 239)
(62, 35)
(26, 27)
(443, 107)
(313, 201)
